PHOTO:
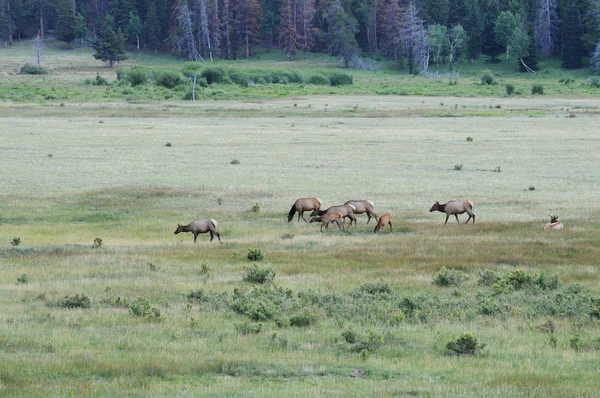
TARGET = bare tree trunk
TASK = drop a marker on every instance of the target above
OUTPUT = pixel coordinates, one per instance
(137, 37)
(10, 32)
(42, 21)
(194, 88)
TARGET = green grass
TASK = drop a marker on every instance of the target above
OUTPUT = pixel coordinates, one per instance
(99, 168)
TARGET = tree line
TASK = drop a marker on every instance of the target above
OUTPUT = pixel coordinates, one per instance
(415, 34)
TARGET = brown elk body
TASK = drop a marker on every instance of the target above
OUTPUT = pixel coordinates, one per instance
(303, 204)
(385, 219)
(327, 218)
(200, 227)
(363, 206)
(554, 224)
(455, 207)
(347, 210)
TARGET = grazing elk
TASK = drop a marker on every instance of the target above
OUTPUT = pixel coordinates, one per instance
(554, 224)
(327, 218)
(303, 204)
(347, 210)
(363, 206)
(385, 219)
(200, 227)
(455, 207)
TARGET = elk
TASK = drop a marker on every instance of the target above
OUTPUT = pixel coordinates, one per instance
(303, 204)
(327, 218)
(363, 206)
(347, 210)
(385, 219)
(554, 224)
(200, 227)
(455, 207)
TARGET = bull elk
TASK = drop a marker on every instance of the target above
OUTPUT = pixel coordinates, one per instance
(455, 207)
(327, 218)
(200, 227)
(303, 204)
(347, 210)
(363, 206)
(385, 219)
(554, 224)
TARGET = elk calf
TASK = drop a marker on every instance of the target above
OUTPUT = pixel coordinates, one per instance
(554, 224)
(385, 219)
(455, 207)
(328, 218)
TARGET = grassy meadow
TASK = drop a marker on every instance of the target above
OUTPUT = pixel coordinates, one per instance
(100, 298)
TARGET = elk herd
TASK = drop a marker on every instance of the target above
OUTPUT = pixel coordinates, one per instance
(337, 215)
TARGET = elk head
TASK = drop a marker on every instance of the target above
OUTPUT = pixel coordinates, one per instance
(435, 207)
(179, 229)
(315, 219)
(553, 219)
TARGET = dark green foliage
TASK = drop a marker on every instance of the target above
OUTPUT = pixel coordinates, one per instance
(363, 342)
(169, 78)
(571, 32)
(257, 275)
(29, 69)
(141, 307)
(264, 302)
(304, 318)
(110, 47)
(16, 241)
(254, 254)
(340, 79)
(197, 295)
(376, 288)
(465, 344)
(537, 89)
(239, 77)
(487, 77)
(137, 76)
(213, 75)
(448, 277)
(23, 279)
(531, 59)
(76, 301)
(67, 23)
(246, 327)
(98, 81)
(510, 89)
(318, 79)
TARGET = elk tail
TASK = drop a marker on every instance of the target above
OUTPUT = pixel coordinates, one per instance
(352, 207)
(471, 203)
(214, 222)
(318, 200)
(371, 202)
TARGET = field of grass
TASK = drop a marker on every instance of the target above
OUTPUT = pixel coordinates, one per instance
(351, 314)
(98, 297)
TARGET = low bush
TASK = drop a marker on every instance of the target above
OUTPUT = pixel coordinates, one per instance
(254, 254)
(537, 89)
(246, 327)
(464, 344)
(487, 77)
(510, 89)
(448, 277)
(76, 301)
(257, 275)
(169, 78)
(213, 75)
(30, 69)
(319, 79)
(594, 81)
(340, 79)
(137, 76)
(16, 241)
(23, 279)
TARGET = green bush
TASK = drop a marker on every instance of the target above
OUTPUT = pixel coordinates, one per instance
(257, 275)
(254, 254)
(16, 241)
(76, 301)
(319, 79)
(239, 77)
(376, 288)
(537, 89)
(510, 89)
(100, 81)
(594, 81)
(304, 318)
(137, 76)
(29, 69)
(465, 344)
(247, 327)
(340, 79)
(487, 77)
(23, 279)
(213, 75)
(140, 307)
(448, 277)
(169, 78)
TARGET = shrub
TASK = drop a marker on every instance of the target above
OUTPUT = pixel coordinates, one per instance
(487, 277)
(141, 307)
(304, 318)
(235, 161)
(531, 188)
(247, 327)
(169, 79)
(487, 77)
(257, 275)
(510, 89)
(566, 79)
(376, 288)
(340, 79)
(448, 277)
(213, 75)
(537, 89)
(319, 79)
(100, 81)
(367, 342)
(465, 344)
(238, 77)
(97, 243)
(16, 241)
(76, 301)
(23, 279)
(594, 81)
(197, 295)
(29, 69)
(255, 208)
(287, 235)
(469, 139)
(254, 254)
(137, 76)
(458, 167)
(497, 169)
(350, 336)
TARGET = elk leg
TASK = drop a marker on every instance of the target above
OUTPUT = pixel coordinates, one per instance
(391, 227)
(322, 227)
(211, 235)
(218, 235)
(338, 224)
(343, 227)
(456, 215)
(447, 217)
(352, 218)
(195, 236)
(471, 215)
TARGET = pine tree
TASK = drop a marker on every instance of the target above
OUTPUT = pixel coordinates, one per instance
(134, 29)
(458, 12)
(67, 22)
(340, 33)
(392, 30)
(473, 28)
(151, 26)
(571, 32)
(305, 31)
(287, 30)
(110, 48)
(248, 21)
(489, 45)
(120, 10)
(531, 59)
(81, 29)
